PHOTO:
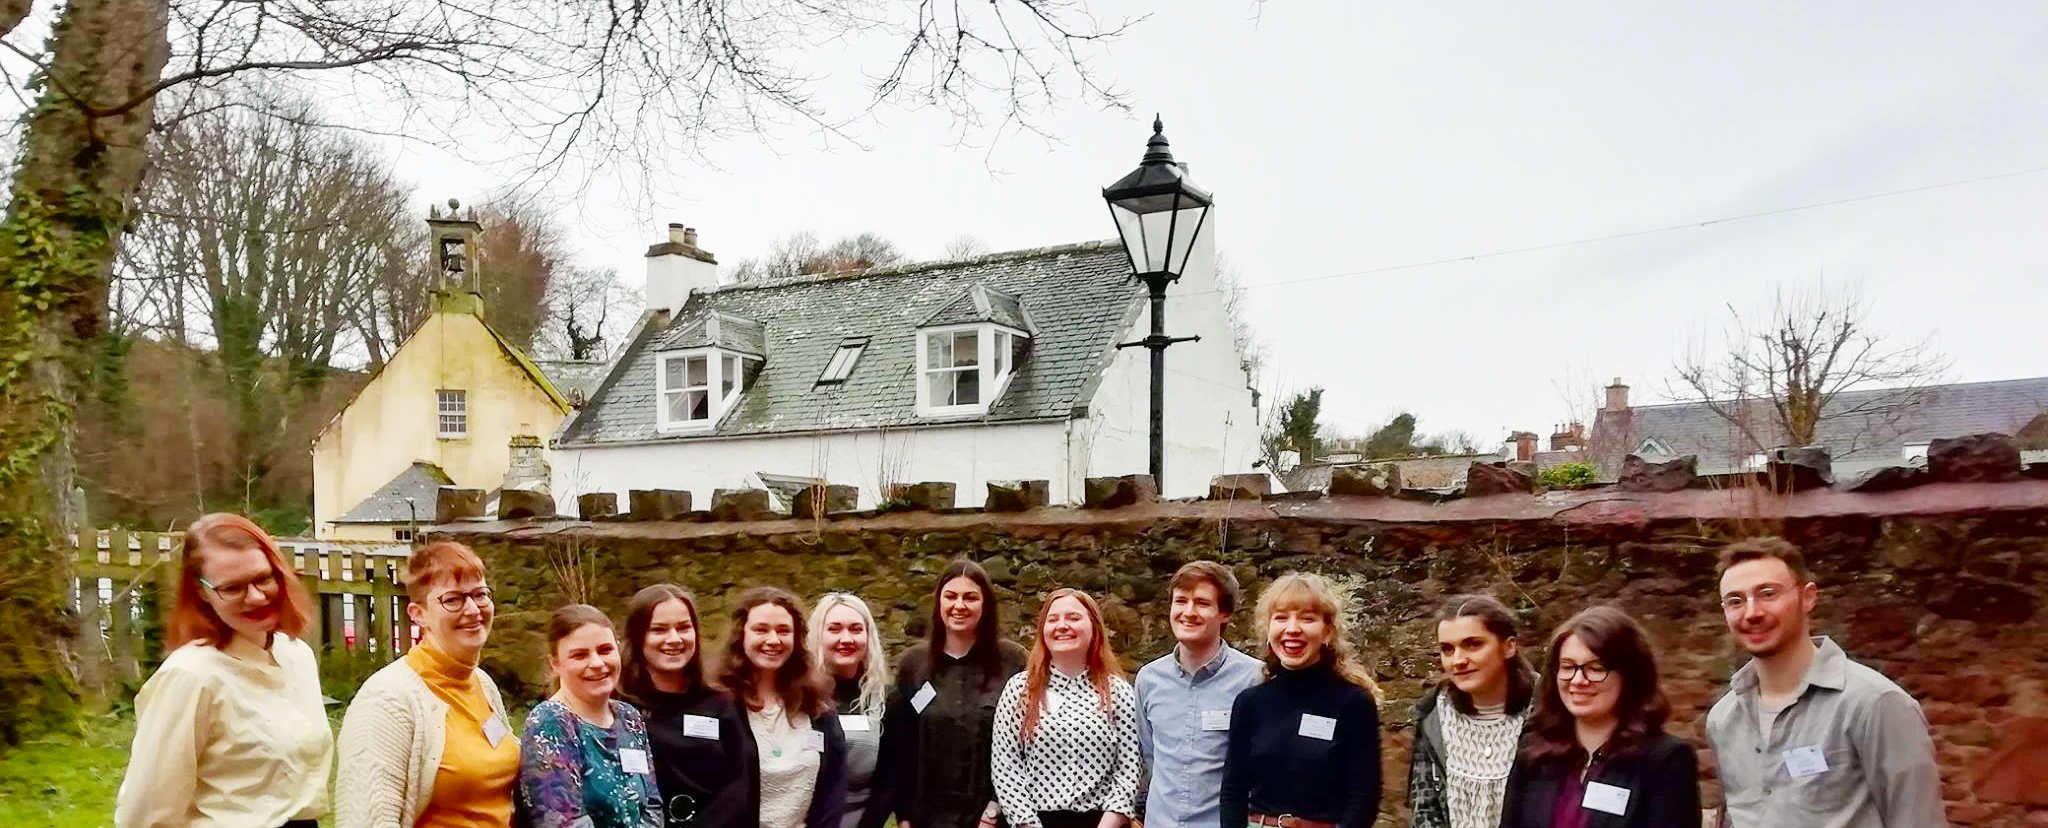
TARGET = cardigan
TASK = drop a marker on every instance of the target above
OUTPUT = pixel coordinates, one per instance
(828, 799)
(391, 741)
(1305, 743)
(1661, 777)
(1428, 783)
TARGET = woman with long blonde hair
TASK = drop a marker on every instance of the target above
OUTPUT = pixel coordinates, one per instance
(1065, 753)
(848, 646)
(231, 730)
(1305, 744)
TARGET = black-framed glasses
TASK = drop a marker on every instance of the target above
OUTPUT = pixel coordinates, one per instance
(1594, 672)
(453, 601)
(239, 591)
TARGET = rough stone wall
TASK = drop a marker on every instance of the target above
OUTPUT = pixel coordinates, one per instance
(1941, 587)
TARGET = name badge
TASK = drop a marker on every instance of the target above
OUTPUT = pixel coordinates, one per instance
(1604, 797)
(855, 724)
(634, 760)
(1053, 702)
(700, 727)
(1805, 762)
(1318, 727)
(495, 730)
(924, 697)
(583, 822)
(1215, 720)
(814, 741)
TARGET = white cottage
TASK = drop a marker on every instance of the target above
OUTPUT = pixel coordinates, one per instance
(999, 367)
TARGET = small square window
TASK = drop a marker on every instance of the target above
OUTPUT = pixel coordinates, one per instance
(452, 413)
(686, 389)
(402, 535)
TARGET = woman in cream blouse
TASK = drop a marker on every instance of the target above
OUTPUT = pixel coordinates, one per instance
(427, 743)
(230, 730)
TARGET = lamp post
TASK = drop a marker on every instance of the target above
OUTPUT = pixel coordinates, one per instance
(1159, 215)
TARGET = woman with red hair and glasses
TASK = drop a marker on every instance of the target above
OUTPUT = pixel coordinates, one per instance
(230, 730)
(1066, 731)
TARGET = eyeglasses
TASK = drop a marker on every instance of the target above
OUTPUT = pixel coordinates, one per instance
(453, 601)
(1594, 672)
(239, 592)
(1765, 594)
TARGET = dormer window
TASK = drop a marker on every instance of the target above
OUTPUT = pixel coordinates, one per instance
(684, 389)
(963, 368)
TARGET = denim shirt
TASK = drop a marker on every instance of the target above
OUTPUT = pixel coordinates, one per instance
(1184, 759)
(1852, 751)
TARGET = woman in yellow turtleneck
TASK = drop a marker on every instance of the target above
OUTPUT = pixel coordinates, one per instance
(426, 742)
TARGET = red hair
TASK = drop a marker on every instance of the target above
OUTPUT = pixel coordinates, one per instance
(437, 562)
(193, 619)
(1102, 662)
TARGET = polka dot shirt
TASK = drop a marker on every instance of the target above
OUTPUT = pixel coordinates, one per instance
(1078, 759)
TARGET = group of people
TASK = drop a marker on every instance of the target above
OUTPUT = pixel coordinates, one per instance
(798, 721)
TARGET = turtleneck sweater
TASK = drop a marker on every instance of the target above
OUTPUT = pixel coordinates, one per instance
(1304, 743)
(473, 786)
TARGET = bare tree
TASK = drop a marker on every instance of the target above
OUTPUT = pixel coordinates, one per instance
(966, 246)
(587, 307)
(1784, 376)
(600, 84)
(800, 253)
(1251, 349)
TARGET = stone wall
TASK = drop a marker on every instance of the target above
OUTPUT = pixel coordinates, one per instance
(1941, 587)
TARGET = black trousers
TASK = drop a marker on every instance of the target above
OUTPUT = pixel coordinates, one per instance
(1069, 819)
(301, 823)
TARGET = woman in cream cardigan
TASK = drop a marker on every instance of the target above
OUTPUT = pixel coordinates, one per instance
(426, 742)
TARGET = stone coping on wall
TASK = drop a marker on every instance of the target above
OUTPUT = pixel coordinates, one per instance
(1593, 507)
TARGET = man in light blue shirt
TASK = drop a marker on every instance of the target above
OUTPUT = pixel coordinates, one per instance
(1184, 700)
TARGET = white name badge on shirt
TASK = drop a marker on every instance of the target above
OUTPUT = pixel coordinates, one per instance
(855, 724)
(814, 741)
(924, 697)
(700, 727)
(1604, 797)
(1053, 702)
(1318, 727)
(1215, 720)
(1805, 762)
(634, 760)
(495, 731)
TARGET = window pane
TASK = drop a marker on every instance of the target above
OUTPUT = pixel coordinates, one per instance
(728, 376)
(1002, 353)
(964, 350)
(937, 353)
(698, 403)
(673, 400)
(672, 373)
(967, 388)
(699, 371)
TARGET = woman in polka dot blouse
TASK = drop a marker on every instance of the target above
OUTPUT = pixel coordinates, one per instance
(1065, 752)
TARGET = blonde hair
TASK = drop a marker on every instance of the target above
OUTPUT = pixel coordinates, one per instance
(874, 670)
(1308, 591)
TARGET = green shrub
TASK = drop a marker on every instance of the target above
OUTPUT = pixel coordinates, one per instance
(1568, 476)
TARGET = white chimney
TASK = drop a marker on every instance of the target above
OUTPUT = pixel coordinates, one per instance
(677, 268)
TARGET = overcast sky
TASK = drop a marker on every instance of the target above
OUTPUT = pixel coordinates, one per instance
(1343, 136)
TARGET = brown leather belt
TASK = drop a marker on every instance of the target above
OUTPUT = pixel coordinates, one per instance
(1290, 821)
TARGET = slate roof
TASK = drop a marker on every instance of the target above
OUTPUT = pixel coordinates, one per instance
(980, 304)
(718, 329)
(1856, 441)
(422, 481)
(1078, 300)
(574, 379)
(785, 488)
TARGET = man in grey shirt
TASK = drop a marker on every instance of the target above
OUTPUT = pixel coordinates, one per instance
(1805, 736)
(1184, 700)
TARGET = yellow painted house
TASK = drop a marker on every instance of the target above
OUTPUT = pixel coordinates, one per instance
(443, 410)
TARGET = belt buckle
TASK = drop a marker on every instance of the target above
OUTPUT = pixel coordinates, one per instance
(1286, 821)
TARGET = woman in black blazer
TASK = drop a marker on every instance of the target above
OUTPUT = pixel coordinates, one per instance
(1597, 755)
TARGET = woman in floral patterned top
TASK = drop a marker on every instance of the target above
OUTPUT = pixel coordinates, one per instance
(583, 756)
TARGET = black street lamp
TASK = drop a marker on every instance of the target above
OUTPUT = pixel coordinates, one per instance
(1159, 214)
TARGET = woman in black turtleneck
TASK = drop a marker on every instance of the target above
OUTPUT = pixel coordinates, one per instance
(1305, 744)
(692, 725)
(849, 648)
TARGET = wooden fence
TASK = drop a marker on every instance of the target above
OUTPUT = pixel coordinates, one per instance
(127, 581)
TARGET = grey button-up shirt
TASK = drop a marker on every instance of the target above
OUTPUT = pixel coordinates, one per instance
(1183, 759)
(1852, 751)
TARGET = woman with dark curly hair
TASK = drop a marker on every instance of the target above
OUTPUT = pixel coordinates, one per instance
(792, 740)
(1597, 754)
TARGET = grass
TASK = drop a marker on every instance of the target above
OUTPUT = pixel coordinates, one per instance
(67, 782)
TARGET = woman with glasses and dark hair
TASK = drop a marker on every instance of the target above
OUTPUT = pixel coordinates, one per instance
(936, 734)
(848, 647)
(230, 730)
(792, 740)
(1597, 754)
(1468, 728)
(427, 741)
(692, 724)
